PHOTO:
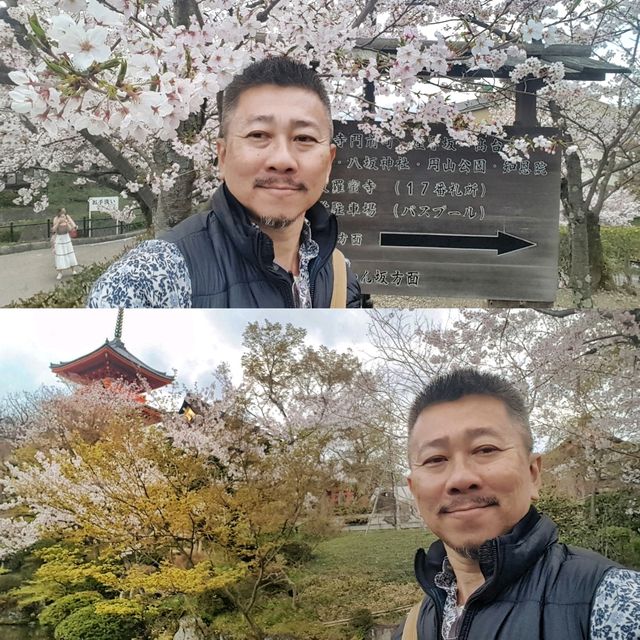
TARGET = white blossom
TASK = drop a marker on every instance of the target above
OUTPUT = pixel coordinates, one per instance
(532, 30)
(84, 46)
(73, 6)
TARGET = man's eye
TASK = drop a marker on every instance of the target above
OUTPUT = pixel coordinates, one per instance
(433, 460)
(487, 449)
(257, 135)
(305, 139)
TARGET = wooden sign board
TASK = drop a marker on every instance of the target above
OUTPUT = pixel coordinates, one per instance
(447, 221)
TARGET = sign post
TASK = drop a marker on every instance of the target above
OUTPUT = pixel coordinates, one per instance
(446, 220)
(105, 204)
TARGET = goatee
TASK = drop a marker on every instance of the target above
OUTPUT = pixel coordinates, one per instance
(272, 222)
(470, 553)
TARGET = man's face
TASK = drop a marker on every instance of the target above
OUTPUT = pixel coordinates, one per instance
(277, 153)
(471, 474)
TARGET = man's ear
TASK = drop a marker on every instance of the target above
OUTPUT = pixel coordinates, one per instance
(221, 149)
(535, 469)
(332, 155)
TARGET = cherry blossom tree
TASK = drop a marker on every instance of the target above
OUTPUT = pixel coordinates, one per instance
(578, 370)
(302, 394)
(600, 123)
(19, 410)
(127, 93)
(620, 209)
(176, 508)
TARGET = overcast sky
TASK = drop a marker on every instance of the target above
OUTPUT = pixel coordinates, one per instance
(193, 342)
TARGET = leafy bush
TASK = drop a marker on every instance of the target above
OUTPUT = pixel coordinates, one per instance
(620, 245)
(619, 508)
(620, 544)
(15, 561)
(576, 526)
(296, 553)
(88, 624)
(210, 604)
(6, 236)
(7, 197)
(570, 517)
(362, 621)
(356, 519)
(53, 614)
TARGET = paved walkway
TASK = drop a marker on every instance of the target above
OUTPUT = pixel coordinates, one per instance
(25, 274)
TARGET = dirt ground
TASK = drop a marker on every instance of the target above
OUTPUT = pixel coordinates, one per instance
(602, 300)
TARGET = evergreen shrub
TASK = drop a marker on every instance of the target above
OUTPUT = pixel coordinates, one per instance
(296, 552)
(52, 615)
(7, 196)
(362, 621)
(610, 530)
(621, 247)
(88, 624)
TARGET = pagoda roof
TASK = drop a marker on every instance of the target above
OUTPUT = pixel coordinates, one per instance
(111, 360)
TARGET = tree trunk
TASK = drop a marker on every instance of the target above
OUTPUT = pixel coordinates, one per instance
(574, 206)
(174, 204)
(396, 503)
(145, 197)
(600, 276)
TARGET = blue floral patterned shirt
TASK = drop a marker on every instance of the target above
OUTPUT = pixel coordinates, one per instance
(615, 614)
(155, 275)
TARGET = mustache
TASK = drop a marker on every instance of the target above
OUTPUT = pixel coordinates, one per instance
(461, 503)
(279, 182)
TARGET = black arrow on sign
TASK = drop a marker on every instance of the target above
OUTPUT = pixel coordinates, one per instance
(501, 242)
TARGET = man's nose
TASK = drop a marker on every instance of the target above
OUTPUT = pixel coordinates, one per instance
(281, 155)
(463, 476)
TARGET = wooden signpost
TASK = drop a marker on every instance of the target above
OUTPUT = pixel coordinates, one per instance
(447, 220)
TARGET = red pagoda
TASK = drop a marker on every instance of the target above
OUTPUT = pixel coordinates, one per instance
(112, 364)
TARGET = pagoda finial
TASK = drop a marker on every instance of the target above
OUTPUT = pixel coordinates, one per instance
(118, 333)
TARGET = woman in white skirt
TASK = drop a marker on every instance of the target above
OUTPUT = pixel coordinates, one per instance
(62, 247)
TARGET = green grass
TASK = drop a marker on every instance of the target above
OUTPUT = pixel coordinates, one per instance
(349, 572)
(384, 555)
(62, 193)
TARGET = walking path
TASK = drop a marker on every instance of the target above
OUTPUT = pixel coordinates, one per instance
(26, 273)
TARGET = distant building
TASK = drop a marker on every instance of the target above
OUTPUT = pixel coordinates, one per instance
(574, 471)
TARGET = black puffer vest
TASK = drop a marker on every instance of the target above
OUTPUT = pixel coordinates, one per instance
(535, 588)
(230, 261)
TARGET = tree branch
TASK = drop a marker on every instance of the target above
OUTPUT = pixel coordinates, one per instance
(367, 11)
(263, 15)
(147, 199)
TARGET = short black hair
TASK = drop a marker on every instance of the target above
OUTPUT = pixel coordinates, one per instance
(466, 382)
(280, 71)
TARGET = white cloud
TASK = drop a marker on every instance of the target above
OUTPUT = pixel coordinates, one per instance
(193, 342)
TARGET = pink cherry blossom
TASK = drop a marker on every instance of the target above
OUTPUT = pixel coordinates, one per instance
(186, 65)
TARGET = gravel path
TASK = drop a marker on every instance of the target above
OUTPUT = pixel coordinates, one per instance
(602, 300)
